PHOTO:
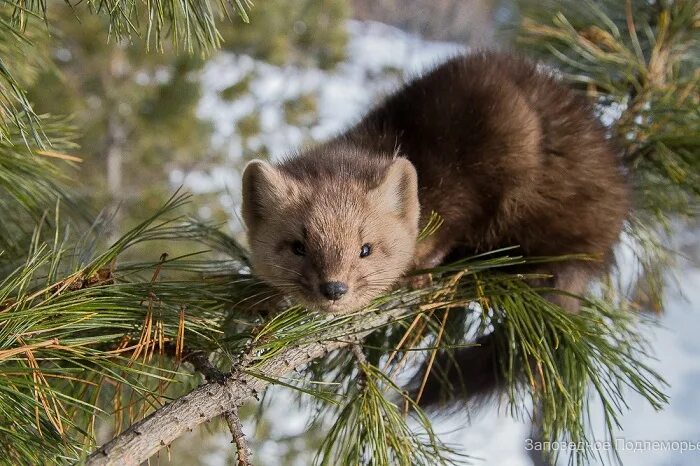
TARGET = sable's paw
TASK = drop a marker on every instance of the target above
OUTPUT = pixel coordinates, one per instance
(417, 282)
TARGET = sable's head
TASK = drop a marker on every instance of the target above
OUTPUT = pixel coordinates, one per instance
(331, 240)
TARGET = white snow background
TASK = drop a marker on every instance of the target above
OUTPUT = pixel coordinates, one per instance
(344, 94)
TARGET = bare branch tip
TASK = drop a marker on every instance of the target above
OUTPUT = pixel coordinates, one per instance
(236, 427)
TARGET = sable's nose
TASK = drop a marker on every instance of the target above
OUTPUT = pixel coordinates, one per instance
(333, 290)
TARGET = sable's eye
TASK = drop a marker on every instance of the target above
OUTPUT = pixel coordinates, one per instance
(298, 248)
(365, 250)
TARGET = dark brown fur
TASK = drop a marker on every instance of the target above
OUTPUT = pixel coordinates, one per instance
(504, 153)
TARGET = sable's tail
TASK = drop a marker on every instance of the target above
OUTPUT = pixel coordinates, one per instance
(473, 374)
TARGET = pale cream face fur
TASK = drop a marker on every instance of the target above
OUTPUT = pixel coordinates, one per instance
(304, 234)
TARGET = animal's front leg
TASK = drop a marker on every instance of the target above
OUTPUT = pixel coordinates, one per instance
(430, 253)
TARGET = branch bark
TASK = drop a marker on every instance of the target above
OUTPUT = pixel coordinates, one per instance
(234, 424)
(146, 437)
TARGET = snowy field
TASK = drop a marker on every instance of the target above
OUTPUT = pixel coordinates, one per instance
(379, 58)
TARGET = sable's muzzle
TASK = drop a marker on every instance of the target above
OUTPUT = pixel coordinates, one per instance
(333, 290)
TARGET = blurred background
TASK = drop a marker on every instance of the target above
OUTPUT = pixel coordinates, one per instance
(300, 71)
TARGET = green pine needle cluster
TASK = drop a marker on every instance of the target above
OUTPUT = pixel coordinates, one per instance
(70, 324)
(372, 429)
(31, 181)
(189, 25)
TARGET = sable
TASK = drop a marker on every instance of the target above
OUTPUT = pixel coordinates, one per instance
(501, 150)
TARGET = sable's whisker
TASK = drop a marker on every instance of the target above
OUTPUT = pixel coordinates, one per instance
(285, 269)
(256, 295)
(252, 306)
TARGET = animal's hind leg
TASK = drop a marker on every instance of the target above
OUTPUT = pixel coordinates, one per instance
(568, 280)
(571, 280)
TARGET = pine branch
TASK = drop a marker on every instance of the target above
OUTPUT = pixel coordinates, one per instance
(162, 427)
(597, 346)
(201, 363)
(110, 324)
(234, 424)
(199, 360)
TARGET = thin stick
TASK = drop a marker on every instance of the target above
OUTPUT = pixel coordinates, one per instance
(199, 360)
(234, 424)
(59, 155)
(432, 355)
(362, 362)
(4, 354)
(403, 339)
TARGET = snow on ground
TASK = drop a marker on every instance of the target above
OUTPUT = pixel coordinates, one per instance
(343, 95)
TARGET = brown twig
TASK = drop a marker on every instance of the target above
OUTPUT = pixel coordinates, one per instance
(201, 363)
(432, 356)
(234, 424)
(4, 354)
(362, 362)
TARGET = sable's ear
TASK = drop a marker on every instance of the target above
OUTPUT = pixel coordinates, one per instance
(399, 191)
(263, 189)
